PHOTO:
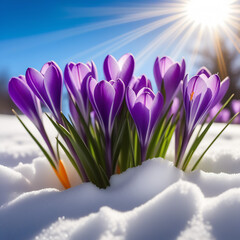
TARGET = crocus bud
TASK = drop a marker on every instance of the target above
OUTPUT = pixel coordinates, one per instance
(145, 109)
(106, 99)
(136, 84)
(76, 76)
(25, 100)
(123, 68)
(168, 75)
(47, 86)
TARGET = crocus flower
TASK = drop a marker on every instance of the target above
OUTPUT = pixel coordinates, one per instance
(168, 75)
(136, 84)
(200, 94)
(25, 100)
(29, 104)
(106, 99)
(235, 106)
(223, 116)
(145, 109)
(224, 85)
(123, 68)
(47, 86)
(76, 76)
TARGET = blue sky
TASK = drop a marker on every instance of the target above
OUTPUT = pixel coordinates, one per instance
(34, 32)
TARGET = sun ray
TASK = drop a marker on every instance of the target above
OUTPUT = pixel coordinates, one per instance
(159, 40)
(159, 10)
(233, 37)
(129, 36)
(176, 24)
(134, 36)
(196, 48)
(183, 41)
(220, 58)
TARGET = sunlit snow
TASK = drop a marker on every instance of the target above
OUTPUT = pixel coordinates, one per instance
(152, 201)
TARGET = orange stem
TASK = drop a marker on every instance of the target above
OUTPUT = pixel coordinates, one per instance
(62, 175)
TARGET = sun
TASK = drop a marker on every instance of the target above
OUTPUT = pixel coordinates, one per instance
(211, 13)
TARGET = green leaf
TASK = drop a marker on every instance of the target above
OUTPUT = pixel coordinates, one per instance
(201, 136)
(36, 141)
(70, 157)
(200, 158)
(93, 170)
(151, 151)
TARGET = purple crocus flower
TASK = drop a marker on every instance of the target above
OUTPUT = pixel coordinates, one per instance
(29, 104)
(235, 106)
(145, 109)
(25, 100)
(224, 85)
(76, 76)
(106, 99)
(123, 68)
(168, 75)
(136, 84)
(223, 116)
(47, 86)
(200, 94)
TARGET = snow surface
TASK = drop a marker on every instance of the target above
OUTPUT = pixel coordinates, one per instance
(152, 201)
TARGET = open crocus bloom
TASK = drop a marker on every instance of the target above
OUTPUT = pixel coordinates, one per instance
(106, 99)
(168, 75)
(123, 68)
(145, 109)
(47, 86)
(200, 94)
(224, 84)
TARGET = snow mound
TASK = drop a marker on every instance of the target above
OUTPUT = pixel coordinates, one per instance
(152, 201)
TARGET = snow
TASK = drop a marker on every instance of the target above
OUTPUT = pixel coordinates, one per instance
(152, 201)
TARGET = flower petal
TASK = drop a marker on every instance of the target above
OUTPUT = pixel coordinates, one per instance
(164, 64)
(119, 95)
(23, 97)
(130, 98)
(156, 109)
(126, 65)
(224, 85)
(171, 82)
(104, 95)
(140, 115)
(53, 86)
(205, 71)
(111, 68)
(157, 74)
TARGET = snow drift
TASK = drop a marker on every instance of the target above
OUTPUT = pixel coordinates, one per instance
(152, 201)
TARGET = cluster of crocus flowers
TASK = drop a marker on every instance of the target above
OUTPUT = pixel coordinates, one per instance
(118, 122)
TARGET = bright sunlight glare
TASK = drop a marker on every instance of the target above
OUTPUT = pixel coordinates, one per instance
(210, 13)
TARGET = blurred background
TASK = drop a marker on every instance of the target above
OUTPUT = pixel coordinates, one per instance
(204, 32)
